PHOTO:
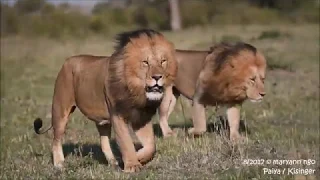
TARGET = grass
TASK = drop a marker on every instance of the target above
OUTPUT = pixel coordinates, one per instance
(284, 126)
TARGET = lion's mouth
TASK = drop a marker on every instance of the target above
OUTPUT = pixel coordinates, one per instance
(154, 93)
(155, 88)
(256, 100)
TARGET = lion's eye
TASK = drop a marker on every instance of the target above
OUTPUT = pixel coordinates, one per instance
(163, 61)
(146, 63)
(253, 79)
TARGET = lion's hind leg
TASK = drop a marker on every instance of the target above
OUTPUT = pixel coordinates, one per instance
(198, 115)
(62, 106)
(165, 109)
(59, 122)
(105, 135)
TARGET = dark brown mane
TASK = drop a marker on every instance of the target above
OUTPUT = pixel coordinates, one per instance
(124, 38)
(224, 50)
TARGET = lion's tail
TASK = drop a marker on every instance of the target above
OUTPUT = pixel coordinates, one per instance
(37, 125)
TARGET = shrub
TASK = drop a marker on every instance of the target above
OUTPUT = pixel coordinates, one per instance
(230, 38)
(29, 6)
(242, 13)
(194, 13)
(274, 64)
(272, 34)
(9, 20)
(154, 18)
(100, 8)
(97, 24)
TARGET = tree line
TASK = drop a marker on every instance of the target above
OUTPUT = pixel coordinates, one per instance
(41, 18)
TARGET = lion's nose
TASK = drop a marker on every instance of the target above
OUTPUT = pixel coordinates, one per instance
(157, 77)
(262, 94)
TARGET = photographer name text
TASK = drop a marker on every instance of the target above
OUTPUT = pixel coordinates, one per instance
(283, 162)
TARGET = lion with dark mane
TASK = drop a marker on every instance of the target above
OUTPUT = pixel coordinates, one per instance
(227, 75)
(121, 90)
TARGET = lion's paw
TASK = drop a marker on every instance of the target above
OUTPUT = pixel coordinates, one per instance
(195, 132)
(132, 167)
(59, 166)
(237, 138)
(169, 134)
(113, 163)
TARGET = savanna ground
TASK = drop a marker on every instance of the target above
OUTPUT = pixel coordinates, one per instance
(284, 126)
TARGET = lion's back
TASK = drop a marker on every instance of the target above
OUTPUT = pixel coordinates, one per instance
(85, 62)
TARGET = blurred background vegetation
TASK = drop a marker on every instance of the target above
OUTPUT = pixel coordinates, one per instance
(57, 20)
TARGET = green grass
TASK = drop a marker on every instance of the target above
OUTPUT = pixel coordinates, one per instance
(284, 126)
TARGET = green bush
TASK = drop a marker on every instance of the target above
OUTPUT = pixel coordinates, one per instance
(307, 12)
(275, 63)
(243, 13)
(194, 13)
(9, 20)
(151, 17)
(154, 18)
(119, 17)
(29, 6)
(272, 34)
(100, 8)
(57, 24)
(230, 38)
(98, 24)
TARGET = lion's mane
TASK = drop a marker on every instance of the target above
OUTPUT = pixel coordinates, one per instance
(126, 91)
(227, 71)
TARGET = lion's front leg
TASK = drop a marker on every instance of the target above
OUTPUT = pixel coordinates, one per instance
(233, 115)
(125, 143)
(146, 137)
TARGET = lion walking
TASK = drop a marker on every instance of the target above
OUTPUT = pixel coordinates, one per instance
(227, 75)
(123, 89)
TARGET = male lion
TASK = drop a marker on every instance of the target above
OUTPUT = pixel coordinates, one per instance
(121, 90)
(228, 74)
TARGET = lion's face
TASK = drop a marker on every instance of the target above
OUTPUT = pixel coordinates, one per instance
(155, 77)
(240, 74)
(254, 84)
(253, 76)
(151, 66)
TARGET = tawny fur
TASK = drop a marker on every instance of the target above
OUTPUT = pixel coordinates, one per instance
(222, 76)
(112, 91)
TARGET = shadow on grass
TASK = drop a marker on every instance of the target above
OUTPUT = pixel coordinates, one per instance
(94, 150)
(218, 126)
